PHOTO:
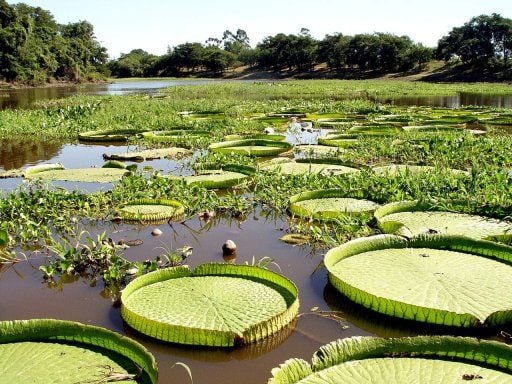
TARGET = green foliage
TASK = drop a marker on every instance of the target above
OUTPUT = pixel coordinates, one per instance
(35, 49)
(48, 338)
(480, 40)
(444, 353)
(243, 303)
(426, 278)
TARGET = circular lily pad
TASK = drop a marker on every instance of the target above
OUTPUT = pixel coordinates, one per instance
(173, 136)
(151, 210)
(56, 351)
(149, 154)
(258, 136)
(412, 218)
(252, 147)
(229, 176)
(328, 204)
(215, 305)
(91, 175)
(212, 179)
(422, 359)
(339, 140)
(447, 280)
(317, 150)
(297, 167)
(112, 135)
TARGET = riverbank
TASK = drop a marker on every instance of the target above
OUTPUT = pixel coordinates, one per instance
(52, 84)
(432, 72)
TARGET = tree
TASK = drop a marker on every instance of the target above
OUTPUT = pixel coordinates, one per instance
(216, 59)
(136, 63)
(35, 49)
(187, 56)
(477, 42)
(288, 51)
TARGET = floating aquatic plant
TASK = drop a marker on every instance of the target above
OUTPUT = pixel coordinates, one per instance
(151, 210)
(441, 359)
(448, 280)
(58, 172)
(252, 147)
(412, 218)
(329, 204)
(50, 351)
(221, 305)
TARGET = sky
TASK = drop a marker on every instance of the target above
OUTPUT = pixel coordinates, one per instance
(155, 25)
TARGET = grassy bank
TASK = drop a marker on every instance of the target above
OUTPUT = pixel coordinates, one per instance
(66, 118)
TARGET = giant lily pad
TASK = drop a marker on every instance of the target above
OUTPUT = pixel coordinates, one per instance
(56, 351)
(317, 150)
(57, 172)
(343, 140)
(229, 176)
(300, 166)
(215, 305)
(252, 147)
(411, 218)
(422, 359)
(257, 136)
(149, 154)
(112, 135)
(173, 136)
(329, 204)
(151, 210)
(447, 280)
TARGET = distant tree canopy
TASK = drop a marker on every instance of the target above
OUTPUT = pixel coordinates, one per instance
(34, 48)
(478, 42)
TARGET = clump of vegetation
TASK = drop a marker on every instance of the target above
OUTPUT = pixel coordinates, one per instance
(35, 49)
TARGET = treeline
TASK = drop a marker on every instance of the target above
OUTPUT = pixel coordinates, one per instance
(382, 52)
(34, 49)
(484, 44)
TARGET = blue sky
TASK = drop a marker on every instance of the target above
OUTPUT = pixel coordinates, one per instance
(153, 25)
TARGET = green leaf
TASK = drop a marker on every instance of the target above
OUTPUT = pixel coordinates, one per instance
(412, 218)
(213, 179)
(402, 361)
(56, 351)
(149, 154)
(92, 175)
(151, 210)
(253, 147)
(329, 204)
(31, 171)
(292, 167)
(216, 305)
(447, 280)
(111, 135)
(4, 238)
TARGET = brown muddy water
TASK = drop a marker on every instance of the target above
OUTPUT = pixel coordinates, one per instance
(24, 294)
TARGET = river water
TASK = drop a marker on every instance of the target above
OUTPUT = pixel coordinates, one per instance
(24, 98)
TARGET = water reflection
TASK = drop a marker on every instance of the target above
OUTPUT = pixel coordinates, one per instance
(24, 98)
(18, 153)
(457, 101)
